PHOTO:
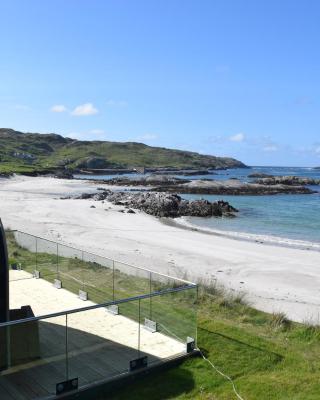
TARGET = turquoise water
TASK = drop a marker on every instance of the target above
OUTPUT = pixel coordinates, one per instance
(286, 219)
(268, 218)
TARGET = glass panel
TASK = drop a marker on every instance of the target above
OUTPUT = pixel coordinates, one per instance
(98, 278)
(155, 343)
(22, 255)
(47, 259)
(176, 314)
(70, 268)
(33, 357)
(130, 281)
(101, 344)
(160, 282)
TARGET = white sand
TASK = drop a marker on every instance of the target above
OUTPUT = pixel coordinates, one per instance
(275, 278)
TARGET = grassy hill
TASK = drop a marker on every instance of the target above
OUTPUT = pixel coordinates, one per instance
(34, 152)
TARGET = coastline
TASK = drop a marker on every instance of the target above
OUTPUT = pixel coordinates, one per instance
(243, 236)
(275, 278)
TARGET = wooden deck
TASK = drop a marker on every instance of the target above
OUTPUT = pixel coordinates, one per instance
(95, 345)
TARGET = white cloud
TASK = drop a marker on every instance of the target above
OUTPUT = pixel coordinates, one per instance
(239, 137)
(116, 103)
(58, 108)
(84, 110)
(317, 150)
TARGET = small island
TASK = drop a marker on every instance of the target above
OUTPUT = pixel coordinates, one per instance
(210, 186)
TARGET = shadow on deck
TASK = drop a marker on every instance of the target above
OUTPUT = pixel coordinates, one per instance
(91, 359)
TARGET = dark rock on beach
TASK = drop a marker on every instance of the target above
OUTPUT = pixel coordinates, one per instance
(85, 196)
(64, 174)
(164, 204)
(5, 175)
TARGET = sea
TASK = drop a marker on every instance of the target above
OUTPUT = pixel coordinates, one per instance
(289, 220)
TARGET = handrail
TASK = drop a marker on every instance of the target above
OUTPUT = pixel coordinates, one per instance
(101, 305)
(106, 258)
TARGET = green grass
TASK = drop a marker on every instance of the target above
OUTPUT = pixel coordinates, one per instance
(267, 356)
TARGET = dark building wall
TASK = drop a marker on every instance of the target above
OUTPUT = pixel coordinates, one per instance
(4, 277)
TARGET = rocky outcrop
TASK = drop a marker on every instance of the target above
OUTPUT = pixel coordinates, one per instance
(64, 174)
(93, 163)
(142, 170)
(185, 172)
(148, 180)
(259, 175)
(5, 175)
(233, 187)
(288, 180)
(107, 171)
(165, 204)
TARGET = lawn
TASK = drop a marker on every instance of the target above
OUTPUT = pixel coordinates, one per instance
(267, 356)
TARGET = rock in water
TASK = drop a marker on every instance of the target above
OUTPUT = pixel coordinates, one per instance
(150, 180)
(259, 175)
(287, 180)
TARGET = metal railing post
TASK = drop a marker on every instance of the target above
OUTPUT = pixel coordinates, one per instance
(82, 273)
(150, 300)
(113, 280)
(36, 254)
(196, 313)
(58, 272)
(139, 327)
(67, 351)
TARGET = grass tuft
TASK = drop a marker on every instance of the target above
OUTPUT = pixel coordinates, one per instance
(279, 321)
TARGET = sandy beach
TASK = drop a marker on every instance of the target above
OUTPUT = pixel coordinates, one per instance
(274, 278)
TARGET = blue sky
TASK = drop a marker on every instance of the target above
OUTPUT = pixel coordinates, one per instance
(231, 78)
